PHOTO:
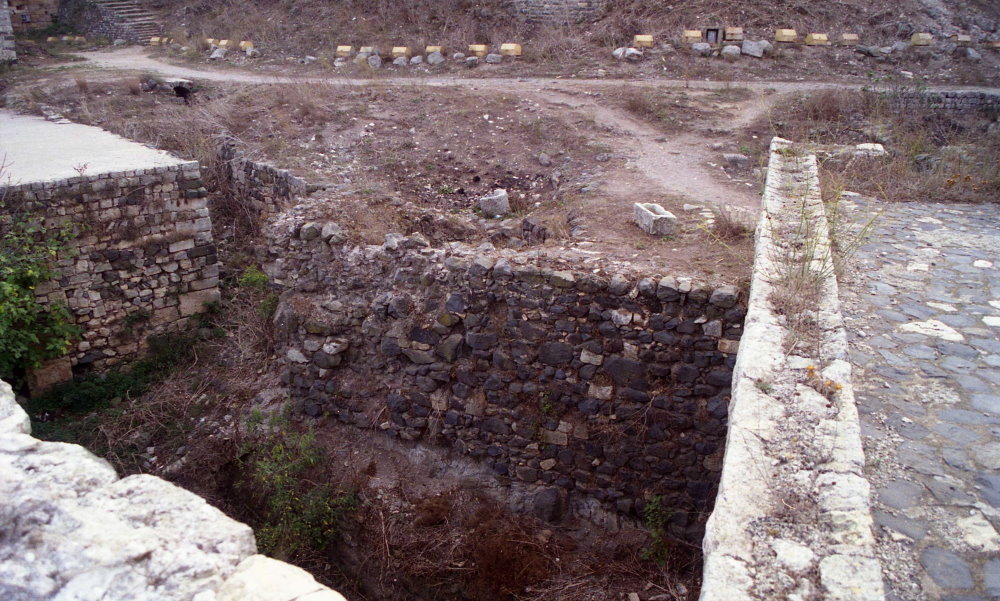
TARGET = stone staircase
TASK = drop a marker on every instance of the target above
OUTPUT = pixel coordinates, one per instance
(129, 20)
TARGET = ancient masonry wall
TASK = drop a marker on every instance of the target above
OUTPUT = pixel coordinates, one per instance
(96, 19)
(954, 101)
(70, 527)
(263, 186)
(560, 11)
(33, 14)
(792, 518)
(7, 50)
(596, 387)
(141, 262)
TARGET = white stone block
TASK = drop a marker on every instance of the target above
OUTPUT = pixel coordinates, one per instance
(654, 219)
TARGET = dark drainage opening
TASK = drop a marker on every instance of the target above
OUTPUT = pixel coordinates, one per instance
(712, 35)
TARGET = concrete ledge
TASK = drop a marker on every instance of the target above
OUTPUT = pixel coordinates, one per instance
(792, 517)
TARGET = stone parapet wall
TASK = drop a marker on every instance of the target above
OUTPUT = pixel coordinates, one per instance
(560, 11)
(8, 53)
(599, 387)
(792, 517)
(71, 529)
(141, 259)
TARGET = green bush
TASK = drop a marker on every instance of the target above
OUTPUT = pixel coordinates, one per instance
(254, 278)
(296, 516)
(30, 332)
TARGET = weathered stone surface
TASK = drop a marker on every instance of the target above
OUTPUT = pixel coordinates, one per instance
(756, 49)
(654, 219)
(701, 49)
(70, 529)
(435, 58)
(555, 353)
(495, 203)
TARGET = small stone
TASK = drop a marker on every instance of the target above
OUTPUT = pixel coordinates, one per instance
(544, 160)
(494, 59)
(731, 52)
(295, 356)
(374, 61)
(417, 60)
(435, 58)
(310, 231)
(555, 353)
(796, 557)
(471, 61)
(400, 61)
(218, 53)
(633, 54)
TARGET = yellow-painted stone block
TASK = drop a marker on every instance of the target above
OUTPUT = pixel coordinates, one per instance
(787, 36)
(430, 49)
(344, 51)
(817, 39)
(850, 39)
(643, 41)
(692, 36)
(226, 43)
(479, 50)
(995, 45)
(154, 41)
(734, 34)
(368, 50)
(212, 41)
(246, 45)
(922, 39)
(961, 39)
(66, 38)
(51, 39)
(510, 49)
(398, 51)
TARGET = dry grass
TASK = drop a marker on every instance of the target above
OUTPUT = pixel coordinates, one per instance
(934, 155)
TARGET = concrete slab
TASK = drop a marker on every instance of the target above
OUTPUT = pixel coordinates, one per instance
(35, 150)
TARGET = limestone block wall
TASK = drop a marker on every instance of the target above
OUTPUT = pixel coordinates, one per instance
(33, 14)
(71, 529)
(792, 517)
(606, 387)
(141, 262)
(560, 11)
(7, 51)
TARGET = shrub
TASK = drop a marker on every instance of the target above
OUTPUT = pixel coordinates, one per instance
(254, 278)
(30, 332)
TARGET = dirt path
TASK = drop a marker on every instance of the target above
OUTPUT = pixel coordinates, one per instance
(135, 59)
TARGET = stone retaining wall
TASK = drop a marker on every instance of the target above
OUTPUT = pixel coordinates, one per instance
(267, 188)
(94, 19)
(792, 518)
(594, 386)
(7, 50)
(953, 101)
(71, 529)
(560, 11)
(141, 260)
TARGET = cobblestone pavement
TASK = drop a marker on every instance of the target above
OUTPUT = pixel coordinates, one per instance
(922, 304)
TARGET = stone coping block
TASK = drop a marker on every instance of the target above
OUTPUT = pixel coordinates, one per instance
(72, 529)
(654, 219)
(786, 36)
(792, 517)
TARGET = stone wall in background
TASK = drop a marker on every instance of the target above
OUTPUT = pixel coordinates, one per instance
(7, 50)
(71, 529)
(792, 518)
(33, 14)
(953, 101)
(143, 259)
(601, 386)
(560, 11)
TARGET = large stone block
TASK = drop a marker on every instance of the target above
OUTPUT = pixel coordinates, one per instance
(654, 219)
